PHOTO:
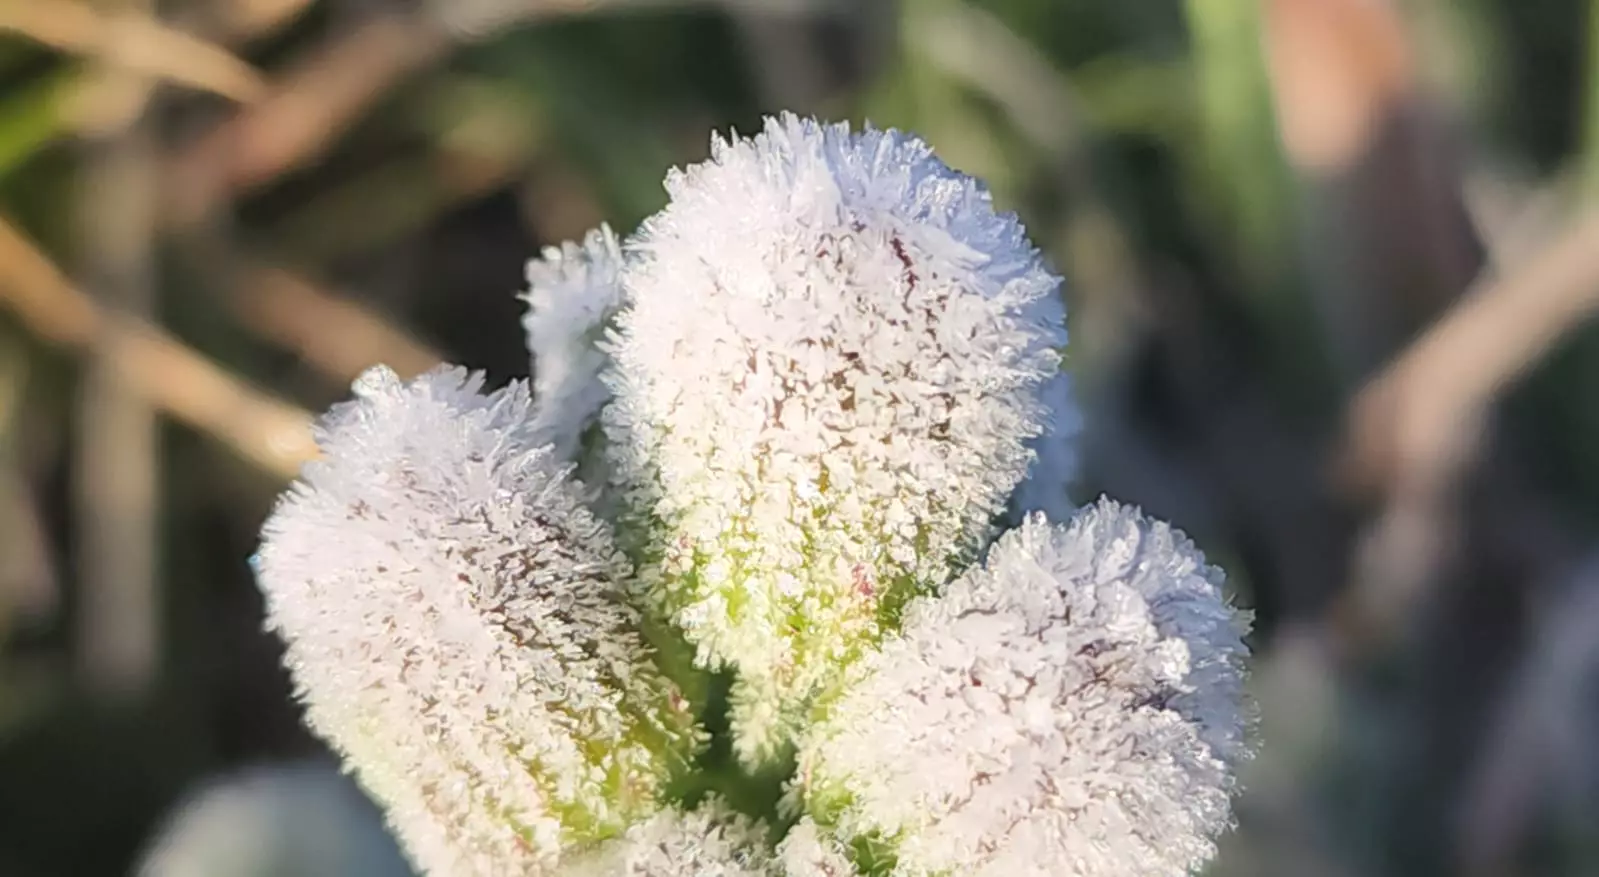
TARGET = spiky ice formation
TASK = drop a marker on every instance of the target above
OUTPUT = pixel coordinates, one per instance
(807, 852)
(710, 841)
(827, 373)
(454, 627)
(1073, 707)
(572, 290)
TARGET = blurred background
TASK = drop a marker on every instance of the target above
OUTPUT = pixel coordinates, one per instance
(1329, 264)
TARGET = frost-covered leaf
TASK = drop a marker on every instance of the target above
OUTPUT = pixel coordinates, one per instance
(828, 371)
(455, 627)
(710, 841)
(572, 291)
(1073, 707)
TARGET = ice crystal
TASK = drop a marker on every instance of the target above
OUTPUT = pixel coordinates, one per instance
(1073, 707)
(572, 291)
(828, 373)
(455, 629)
(807, 852)
(710, 841)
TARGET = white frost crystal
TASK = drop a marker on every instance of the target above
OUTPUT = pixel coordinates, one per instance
(454, 626)
(1073, 707)
(827, 375)
(807, 852)
(572, 290)
(710, 841)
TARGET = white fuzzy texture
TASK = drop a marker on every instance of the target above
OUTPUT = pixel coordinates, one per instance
(827, 375)
(710, 841)
(572, 290)
(807, 852)
(1073, 707)
(293, 820)
(453, 625)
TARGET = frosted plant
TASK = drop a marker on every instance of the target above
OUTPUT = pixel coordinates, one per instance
(830, 373)
(454, 624)
(1073, 707)
(827, 374)
(807, 852)
(710, 841)
(572, 291)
